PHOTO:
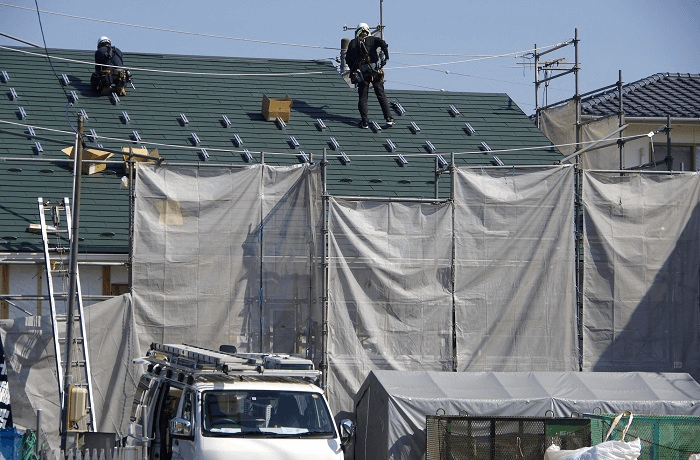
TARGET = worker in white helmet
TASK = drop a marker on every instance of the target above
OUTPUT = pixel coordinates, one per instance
(365, 57)
(109, 76)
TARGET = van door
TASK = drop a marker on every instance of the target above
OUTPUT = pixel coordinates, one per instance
(165, 404)
(183, 447)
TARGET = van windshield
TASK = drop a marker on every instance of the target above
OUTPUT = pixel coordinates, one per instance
(265, 413)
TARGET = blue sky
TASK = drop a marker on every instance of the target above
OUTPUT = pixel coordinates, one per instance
(438, 44)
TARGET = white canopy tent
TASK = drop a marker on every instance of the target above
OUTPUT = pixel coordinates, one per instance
(391, 406)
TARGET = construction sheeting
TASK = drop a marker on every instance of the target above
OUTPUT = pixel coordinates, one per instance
(641, 285)
(389, 297)
(483, 282)
(391, 406)
(390, 280)
(559, 125)
(31, 365)
(227, 256)
(515, 284)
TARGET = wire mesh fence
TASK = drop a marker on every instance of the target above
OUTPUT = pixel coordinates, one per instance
(495, 438)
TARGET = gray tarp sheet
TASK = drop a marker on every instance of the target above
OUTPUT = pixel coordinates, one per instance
(391, 406)
(642, 272)
(31, 366)
(234, 256)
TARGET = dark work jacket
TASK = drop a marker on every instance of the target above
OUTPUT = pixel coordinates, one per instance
(358, 51)
(109, 55)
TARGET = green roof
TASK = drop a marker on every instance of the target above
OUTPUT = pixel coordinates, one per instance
(205, 89)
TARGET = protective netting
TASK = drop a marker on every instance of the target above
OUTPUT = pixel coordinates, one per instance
(482, 282)
(642, 272)
(226, 256)
(515, 267)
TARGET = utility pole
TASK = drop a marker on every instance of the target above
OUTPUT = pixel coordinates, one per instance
(72, 280)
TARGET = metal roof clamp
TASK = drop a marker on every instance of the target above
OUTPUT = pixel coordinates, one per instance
(334, 143)
(13, 94)
(344, 158)
(280, 123)
(398, 107)
(183, 120)
(125, 118)
(375, 126)
(453, 111)
(237, 140)
(115, 98)
(225, 121)
(247, 157)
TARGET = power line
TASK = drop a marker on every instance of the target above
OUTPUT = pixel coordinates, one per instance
(189, 147)
(161, 29)
(177, 72)
(270, 42)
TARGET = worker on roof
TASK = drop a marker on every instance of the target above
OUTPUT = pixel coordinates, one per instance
(365, 57)
(109, 76)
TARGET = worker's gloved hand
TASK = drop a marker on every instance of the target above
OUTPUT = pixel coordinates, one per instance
(384, 59)
(128, 76)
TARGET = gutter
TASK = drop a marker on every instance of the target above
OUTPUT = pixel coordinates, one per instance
(650, 120)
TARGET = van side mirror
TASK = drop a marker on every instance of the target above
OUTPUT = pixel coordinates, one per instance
(180, 427)
(347, 432)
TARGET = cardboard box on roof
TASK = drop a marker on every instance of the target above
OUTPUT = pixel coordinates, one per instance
(273, 108)
(140, 151)
(91, 154)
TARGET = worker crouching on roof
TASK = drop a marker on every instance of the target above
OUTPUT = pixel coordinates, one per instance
(365, 62)
(109, 77)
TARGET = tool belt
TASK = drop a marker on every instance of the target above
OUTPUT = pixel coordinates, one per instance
(104, 80)
(367, 73)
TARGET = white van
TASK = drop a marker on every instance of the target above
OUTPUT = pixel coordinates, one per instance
(209, 405)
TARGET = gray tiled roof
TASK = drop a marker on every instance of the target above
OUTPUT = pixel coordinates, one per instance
(660, 95)
(206, 88)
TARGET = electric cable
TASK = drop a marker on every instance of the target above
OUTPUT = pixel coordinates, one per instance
(176, 72)
(48, 57)
(389, 155)
(266, 42)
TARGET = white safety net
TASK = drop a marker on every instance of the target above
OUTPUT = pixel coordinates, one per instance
(514, 265)
(226, 256)
(641, 272)
(389, 292)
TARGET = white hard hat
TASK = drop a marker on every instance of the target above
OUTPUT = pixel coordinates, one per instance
(103, 39)
(361, 27)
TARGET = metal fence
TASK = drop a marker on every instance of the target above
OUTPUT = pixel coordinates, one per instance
(495, 438)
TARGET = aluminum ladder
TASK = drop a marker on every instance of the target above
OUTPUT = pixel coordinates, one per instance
(79, 368)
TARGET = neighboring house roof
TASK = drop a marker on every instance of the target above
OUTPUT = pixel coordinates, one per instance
(206, 88)
(663, 94)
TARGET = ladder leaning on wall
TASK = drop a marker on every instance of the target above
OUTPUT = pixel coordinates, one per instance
(80, 405)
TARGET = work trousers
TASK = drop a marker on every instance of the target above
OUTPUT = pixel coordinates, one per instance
(363, 92)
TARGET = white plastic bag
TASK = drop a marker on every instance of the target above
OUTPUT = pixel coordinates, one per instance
(606, 450)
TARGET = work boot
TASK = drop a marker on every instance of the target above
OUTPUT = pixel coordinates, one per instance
(364, 125)
(390, 121)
